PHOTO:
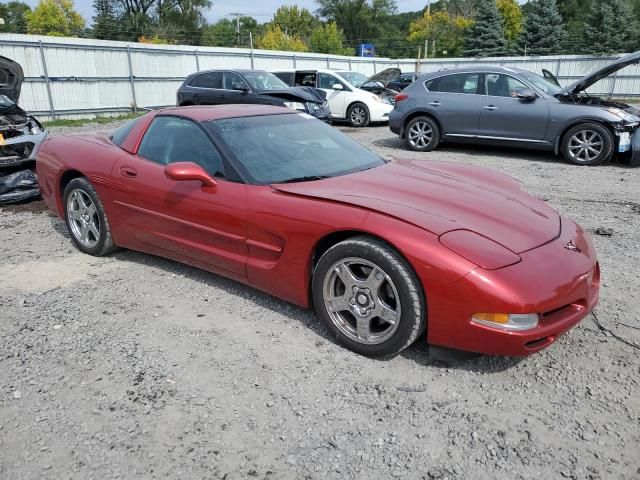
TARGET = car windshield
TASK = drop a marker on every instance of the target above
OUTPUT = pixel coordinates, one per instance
(542, 83)
(264, 81)
(291, 147)
(354, 78)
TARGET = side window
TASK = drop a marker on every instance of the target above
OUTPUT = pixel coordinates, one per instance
(456, 83)
(232, 79)
(327, 81)
(407, 77)
(284, 76)
(207, 80)
(499, 85)
(305, 79)
(173, 139)
(121, 133)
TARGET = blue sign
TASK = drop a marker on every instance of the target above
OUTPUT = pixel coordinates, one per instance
(366, 50)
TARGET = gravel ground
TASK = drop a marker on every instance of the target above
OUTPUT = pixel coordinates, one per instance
(132, 366)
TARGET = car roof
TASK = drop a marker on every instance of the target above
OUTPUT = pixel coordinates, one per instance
(477, 68)
(203, 113)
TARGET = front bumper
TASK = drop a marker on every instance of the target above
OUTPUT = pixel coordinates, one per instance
(379, 111)
(558, 283)
(21, 149)
(320, 111)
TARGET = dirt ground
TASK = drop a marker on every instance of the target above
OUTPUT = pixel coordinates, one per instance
(131, 366)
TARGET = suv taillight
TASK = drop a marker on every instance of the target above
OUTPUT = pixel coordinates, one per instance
(401, 96)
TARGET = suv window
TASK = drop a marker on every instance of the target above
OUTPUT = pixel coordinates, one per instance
(173, 139)
(286, 77)
(327, 81)
(305, 79)
(232, 79)
(407, 77)
(455, 83)
(499, 85)
(207, 80)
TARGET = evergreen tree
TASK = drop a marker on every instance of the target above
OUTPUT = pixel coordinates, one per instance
(486, 37)
(105, 21)
(607, 30)
(543, 31)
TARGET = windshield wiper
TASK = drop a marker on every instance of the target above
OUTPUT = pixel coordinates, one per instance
(307, 178)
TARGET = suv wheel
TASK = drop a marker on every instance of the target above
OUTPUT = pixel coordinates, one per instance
(587, 144)
(422, 134)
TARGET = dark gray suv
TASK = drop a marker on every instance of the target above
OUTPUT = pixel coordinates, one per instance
(513, 107)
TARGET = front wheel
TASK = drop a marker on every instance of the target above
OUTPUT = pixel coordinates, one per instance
(368, 297)
(587, 144)
(358, 115)
(422, 134)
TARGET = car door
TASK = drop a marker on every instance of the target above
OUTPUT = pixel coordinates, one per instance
(455, 101)
(236, 90)
(207, 89)
(337, 99)
(504, 116)
(182, 219)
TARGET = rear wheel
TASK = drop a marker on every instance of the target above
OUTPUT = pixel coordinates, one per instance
(368, 297)
(587, 144)
(422, 134)
(358, 115)
(85, 218)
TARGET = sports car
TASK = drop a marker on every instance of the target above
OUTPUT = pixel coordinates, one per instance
(387, 252)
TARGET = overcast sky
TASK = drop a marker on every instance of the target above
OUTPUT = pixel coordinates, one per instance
(261, 10)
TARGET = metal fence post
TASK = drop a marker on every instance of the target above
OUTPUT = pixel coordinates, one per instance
(613, 85)
(195, 52)
(328, 62)
(349, 63)
(375, 70)
(131, 80)
(46, 79)
(251, 54)
(294, 60)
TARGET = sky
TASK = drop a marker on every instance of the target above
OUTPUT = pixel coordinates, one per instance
(261, 10)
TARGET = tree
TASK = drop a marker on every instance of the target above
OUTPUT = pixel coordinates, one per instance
(275, 39)
(360, 20)
(295, 21)
(607, 30)
(543, 31)
(328, 38)
(223, 33)
(55, 17)
(14, 15)
(485, 38)
(181, 21)
(105, 20)
(511, 19)
(442, 29)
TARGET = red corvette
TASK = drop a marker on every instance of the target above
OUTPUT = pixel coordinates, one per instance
(384, 251)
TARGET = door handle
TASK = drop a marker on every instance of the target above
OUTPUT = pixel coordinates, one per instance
(127, 171)
(435, 103)
(491, 108)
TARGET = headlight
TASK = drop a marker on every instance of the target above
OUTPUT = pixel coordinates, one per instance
(376, 98)
(507, 321)
(480, 250)
(295, 105)
(627, 117)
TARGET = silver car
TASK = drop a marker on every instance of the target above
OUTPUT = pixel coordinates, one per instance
(514, 107)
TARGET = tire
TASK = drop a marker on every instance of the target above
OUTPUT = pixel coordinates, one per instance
(587, 144)
(378, 282)
(422, 134)
(358, 115)
(85, 218)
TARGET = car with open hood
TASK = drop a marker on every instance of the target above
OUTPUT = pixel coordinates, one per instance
(20, 133)
(347, 98)
(220, 87)
(515, 107)
(387, 252)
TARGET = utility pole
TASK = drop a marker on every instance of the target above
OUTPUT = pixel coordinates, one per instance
(237, 15)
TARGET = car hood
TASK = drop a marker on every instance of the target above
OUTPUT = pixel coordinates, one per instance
(440, 197)
(384, 76)
(11, 78)
(296, 94)
(588, 80)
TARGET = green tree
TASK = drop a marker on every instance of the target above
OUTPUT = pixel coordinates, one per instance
(275, 39)
(511, 19)
(181, 21)
(441, 29)
(223, 33)
(606, 31)
(328, 38)
(14, 15)
(486, 37)
(55, 17)
(574, 14)
(361, 21)
(543, 31)
(392, 40)
(105, 21)
(295, 21)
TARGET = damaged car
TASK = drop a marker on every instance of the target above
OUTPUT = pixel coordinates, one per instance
(220, 87)
(518, 108)
(20, 133)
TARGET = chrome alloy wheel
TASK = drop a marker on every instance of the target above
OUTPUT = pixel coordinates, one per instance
(362, 300)
(83, 218)
(585, 145)
(420, 134)
(358, 115)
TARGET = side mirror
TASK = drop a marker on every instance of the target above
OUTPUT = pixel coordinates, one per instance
(240, 87)
(189, 171)
(337, 86)
(526, 94)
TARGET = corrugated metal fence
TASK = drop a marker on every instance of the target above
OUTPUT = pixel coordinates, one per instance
(74, 77)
